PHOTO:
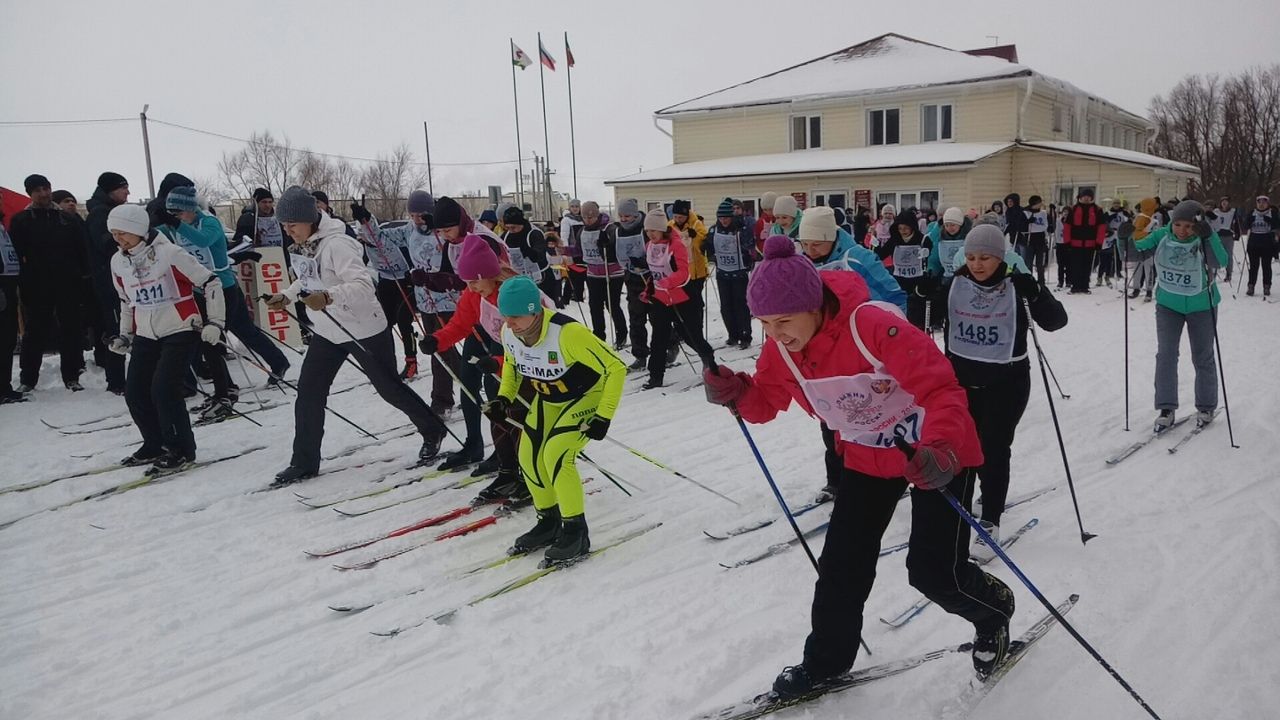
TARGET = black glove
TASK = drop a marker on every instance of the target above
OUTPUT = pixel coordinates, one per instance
(927, 285)
(429, 345)
(1203, 230)
(1125, 231)
(159, 216)
(4, 300)
(360, 213)
(486, 364)
(640, 263)
(444, 282)
(596, 428)
(419, 277)
(244, 255)
(497, 409)
(1026, 285)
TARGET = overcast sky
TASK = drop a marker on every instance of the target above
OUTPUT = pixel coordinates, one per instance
(357, 78)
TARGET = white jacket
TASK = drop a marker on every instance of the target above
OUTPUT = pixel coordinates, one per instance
(155, 283)
(331, 261)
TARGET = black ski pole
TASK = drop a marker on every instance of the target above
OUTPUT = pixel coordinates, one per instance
(1124, 268)
(1045, 362)
(1217, 347)
(294, 388)
(309, 326)
(229, 407)
(1057, 428)
(991, 543)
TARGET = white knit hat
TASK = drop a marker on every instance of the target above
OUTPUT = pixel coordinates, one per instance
(818, 225)
(655, 220)
(785, 205)
(129, 218)
(953, 215)
(767, 200)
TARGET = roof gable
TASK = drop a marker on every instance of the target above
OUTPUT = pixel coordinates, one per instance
(885, 63)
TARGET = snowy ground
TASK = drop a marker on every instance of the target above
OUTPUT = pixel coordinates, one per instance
(193, 598)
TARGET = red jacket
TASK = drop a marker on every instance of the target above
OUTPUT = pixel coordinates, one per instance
(465, 321)
(1084, 227)
(908, 355)
(670, 290)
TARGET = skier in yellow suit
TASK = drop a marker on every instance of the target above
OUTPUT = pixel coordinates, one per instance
(573, 383)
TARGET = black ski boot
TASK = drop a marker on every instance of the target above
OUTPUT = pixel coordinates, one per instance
(651, 384)
(430, 448)
(488, 466)
(169, 463)
(290, 475)
(573, 543)
(461, 459)
(794, 681)
(640, 365)
(990, 647)
(504, 486)
(544, 532)
(141, 456)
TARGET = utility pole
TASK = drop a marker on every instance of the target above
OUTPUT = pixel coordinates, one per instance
(431, 188)
(146, 150)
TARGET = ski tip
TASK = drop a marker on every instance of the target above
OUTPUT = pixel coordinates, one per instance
(1074, 597)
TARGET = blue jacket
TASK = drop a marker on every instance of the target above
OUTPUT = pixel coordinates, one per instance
(207, 241)
(849, 255)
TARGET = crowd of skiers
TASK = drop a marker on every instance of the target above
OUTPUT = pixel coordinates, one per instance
(846, 304)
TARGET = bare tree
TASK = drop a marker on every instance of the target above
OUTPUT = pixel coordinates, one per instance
(389, 180)
(1229, 128)
(262, 162)
(211, 190)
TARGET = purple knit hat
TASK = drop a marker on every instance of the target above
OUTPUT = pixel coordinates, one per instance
(477, 259)
(784, 282)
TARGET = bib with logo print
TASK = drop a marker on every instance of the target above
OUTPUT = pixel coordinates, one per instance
(269, 232)
(8, 255)
(907, 261)
(728, 252)
(1180, 267)
(307, 270)
(982, 321)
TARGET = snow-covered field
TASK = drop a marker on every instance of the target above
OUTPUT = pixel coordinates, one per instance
(193, 598)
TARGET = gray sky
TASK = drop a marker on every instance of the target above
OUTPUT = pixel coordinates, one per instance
(358, 78)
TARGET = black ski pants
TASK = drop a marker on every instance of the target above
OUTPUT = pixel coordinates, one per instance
(9, 329)
(598, 302)
(937, 565)
(1079, 267)
(1261, 249)
(320, 367)
(51, 318)
(638, 315)
(441, 380)
(240, 324)
(685, 320)
(1038, 249)
(472, 379)
(732, 287)
(996, 411)
(108, 324)
(154, 392)
(398, 313)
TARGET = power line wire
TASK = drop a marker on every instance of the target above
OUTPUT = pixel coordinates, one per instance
(20, 123)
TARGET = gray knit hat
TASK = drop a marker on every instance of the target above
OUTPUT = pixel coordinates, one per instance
(297, 204)
(1185, 210)
(181, 199)
(420, 201)
(629, 207)
(985, 240)
(655, 220)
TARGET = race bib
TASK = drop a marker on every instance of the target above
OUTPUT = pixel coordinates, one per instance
(728, 252)
(269, 232)
(982, 321)
(659, 257)
(1180, 267)
(307, 270)
(154, 289)
(906, 261)
(1260, 225)
(949, 249)
(8, 254)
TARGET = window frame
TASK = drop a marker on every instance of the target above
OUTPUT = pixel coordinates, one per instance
(808, 131)
(939, 104)
(826, 194)
(897, 197)
(884, 125)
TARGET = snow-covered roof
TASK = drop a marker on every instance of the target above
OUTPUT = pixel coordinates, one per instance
(1112, 153)
(882, 64)
(927, 155)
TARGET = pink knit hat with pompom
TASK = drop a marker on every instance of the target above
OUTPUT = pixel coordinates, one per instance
(477, 260)
(784, 282)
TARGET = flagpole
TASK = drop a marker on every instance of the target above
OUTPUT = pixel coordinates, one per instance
(515, 100)
(546, 137)
(573, 145)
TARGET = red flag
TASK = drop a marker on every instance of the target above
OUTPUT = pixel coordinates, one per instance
(545, 57)
(568, 54)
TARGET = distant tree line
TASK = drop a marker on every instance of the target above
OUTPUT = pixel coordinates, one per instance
(1228, 127)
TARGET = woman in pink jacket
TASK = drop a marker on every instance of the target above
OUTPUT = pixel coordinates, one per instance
(870, 376)
(668, 259)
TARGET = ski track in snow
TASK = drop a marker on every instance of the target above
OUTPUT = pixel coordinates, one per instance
(192, 598)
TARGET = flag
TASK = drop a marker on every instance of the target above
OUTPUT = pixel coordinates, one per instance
(518, 58)
(568, 54)
(545, 56)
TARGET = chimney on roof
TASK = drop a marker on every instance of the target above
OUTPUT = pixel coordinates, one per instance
(1004, 52)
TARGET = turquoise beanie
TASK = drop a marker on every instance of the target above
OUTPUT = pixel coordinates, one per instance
(519, 296)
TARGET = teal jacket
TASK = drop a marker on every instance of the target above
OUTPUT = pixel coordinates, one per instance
(1187, 304)
(207, 242)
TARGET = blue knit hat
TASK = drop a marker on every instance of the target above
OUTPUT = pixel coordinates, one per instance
(182, 199)
(489, 216)
(519, 296)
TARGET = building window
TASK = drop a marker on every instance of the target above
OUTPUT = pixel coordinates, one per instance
(806, 132)
(1057, 118)
(935, 123)
(922, 200)
(831, 198)
(882, 127)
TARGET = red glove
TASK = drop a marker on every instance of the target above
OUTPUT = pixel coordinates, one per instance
(933, 465)
(723, 385)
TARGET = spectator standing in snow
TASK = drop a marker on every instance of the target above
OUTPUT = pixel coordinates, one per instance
(10, 269)
(1037, 237)
(1263, 223)
(65, 201)
(1084, 226)
(112, 190)
(1185, 295)
(51, 245)
(826, 342)
(258, 222)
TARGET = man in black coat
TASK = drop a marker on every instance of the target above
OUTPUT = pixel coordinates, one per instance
(51, 245)
(112, 190)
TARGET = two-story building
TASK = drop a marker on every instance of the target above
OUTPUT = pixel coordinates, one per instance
(897, 120)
